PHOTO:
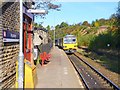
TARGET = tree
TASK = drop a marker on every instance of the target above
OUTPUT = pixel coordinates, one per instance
(93, 23)
(86, 23)
(101, 21)
(96, 24)
(45, 5)
(112, 19)
(118, 16)
(48, 27)
(117, 33)
(57, 26)
(38, 25)
(63, 24)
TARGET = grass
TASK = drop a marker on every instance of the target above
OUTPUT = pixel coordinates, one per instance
(108, 61)
(81, 51)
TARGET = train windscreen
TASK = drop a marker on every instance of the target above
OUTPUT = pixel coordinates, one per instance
(69, 40)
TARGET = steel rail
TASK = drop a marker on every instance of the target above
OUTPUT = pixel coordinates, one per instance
(86, 85)
(100, 74)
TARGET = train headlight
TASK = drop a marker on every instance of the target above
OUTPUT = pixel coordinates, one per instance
(75, 45)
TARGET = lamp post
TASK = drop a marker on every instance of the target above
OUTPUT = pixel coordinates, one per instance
(53, 28)
(21, 56)
(54, 36)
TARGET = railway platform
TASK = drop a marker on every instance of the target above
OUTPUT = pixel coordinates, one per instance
(58, 73)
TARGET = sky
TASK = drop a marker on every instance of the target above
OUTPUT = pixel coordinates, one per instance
(76, 12)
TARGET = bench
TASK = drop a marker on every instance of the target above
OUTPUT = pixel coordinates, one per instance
(44, 57)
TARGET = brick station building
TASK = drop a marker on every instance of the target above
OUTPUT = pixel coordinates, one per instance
(9, 39)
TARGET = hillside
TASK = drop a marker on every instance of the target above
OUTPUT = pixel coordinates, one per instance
(100, 34)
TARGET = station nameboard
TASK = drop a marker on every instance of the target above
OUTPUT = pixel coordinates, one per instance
(10, 36)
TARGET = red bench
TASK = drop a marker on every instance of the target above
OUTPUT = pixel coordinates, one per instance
(44, 56)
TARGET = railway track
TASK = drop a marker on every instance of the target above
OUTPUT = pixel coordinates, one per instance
(90, 76)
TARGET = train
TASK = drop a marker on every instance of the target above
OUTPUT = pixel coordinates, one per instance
(68, 43)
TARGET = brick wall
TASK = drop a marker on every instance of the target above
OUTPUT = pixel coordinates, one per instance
(8, 51)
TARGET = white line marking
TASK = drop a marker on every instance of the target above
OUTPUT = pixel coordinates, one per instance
(65, 70)
(65, 73)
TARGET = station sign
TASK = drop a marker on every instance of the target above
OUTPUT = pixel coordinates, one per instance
(10, 36)
(37, 11)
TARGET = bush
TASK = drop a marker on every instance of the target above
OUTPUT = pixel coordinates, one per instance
(84, 40)
(103, 41)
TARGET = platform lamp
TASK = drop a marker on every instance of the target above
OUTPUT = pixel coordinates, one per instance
(53, 28)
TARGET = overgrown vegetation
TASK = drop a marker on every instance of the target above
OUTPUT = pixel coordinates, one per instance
(107, 60)
(101, 36)
(104, 40)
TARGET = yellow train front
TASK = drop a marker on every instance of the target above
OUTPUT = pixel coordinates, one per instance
(68, 43)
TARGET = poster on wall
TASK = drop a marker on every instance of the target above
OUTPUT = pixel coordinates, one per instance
(10, 36)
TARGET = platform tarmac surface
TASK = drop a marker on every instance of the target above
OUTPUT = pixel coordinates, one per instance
(58, 73)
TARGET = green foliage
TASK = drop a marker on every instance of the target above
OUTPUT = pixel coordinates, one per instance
(84, 40)
(96, 24)
(63, 24)
(85, 23)
(104, 40)
(51, 33)
(117, 25)
(101, 21)
(48, 28)
(37, 25)
(112, 20)
(57, 26)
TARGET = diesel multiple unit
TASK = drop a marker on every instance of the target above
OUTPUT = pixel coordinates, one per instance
(67, 43)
